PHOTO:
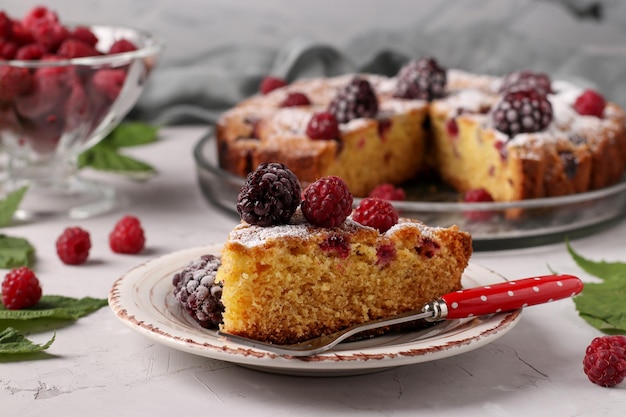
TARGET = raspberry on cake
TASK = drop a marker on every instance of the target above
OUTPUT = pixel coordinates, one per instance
(284, 282)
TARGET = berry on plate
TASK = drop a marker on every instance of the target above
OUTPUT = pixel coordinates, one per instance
(127, 236)
(196, 290)
(388, 192)
(20, 289)
(73, 246)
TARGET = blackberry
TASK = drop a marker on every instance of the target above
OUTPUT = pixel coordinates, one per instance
(327, 202)
(522, 111)
(357, 99)
(526, 80)
(198, 293)
(270, 195)
(421, 79)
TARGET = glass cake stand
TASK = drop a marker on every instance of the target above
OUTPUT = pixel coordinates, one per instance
(493, 225)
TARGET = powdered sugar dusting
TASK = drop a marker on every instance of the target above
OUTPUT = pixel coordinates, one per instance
(250, 235)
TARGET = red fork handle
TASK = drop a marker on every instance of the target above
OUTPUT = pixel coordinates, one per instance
(510, 295)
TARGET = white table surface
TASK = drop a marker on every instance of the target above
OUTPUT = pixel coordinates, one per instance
(100, 367)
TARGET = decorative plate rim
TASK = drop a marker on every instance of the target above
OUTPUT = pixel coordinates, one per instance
(142, 299)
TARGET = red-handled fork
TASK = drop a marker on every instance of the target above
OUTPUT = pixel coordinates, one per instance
(477, 301)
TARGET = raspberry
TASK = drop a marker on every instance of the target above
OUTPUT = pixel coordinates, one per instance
(526, 80)
(388, 192)
(84, 34)
(196, 290)
(590, 103)
(109, 82)
(127, 236)
(522, 111)
(38, 15)
(295, 99)
(478, 195)
(20, 34)
(20, 289)
(14, 82)
(377, 213)
(323, 125)
(271, 83)
(357, 99)
(74, 48)
(452, 128)
(8, 49)
(605, 360)
(49, 35)
(269, 196)
(421, 79)
(29, 52)
(327, 202)
(6, 26)
(73, 246)
(122, 45)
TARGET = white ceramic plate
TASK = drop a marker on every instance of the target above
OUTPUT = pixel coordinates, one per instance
(143, 300)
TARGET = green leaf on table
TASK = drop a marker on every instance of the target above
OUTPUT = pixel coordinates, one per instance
(602, 304)
(9, 205)
(15, 252)
(55, 306)
(132, 134)
(106, 156)
(13, 341)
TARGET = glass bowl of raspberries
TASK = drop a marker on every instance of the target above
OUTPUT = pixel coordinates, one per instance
(63, 88)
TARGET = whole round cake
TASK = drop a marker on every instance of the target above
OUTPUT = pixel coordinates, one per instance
(515, 137)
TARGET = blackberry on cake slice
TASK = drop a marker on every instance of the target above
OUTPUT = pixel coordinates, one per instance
(322, 271)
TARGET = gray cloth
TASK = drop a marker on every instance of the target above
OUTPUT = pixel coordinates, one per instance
(199, 90)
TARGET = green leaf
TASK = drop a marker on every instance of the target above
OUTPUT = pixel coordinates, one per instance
(108, 159)
(105, 155)
(132, 134)
(9, 204)
(602, 304)
(12, 341)
(55, 306)
(15, 251)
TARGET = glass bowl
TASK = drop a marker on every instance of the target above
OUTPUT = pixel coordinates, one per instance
(59, 108)
(493, 225)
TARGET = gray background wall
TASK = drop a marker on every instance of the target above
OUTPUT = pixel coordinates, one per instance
(218, 49)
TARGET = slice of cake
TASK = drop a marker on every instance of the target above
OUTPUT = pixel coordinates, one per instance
(290, 283)
(304, 264)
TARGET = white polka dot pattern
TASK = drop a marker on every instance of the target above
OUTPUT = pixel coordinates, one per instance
(510, 295)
